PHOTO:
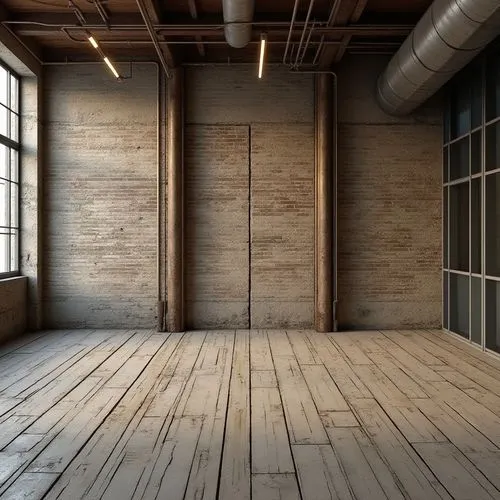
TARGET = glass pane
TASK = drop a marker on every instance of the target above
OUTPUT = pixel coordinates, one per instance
(14, 205)
(445, 228)
(4, 121)
(14, 251)
(445, 300)
(4, 252)
(477, 98)
(459, 159)
(4, 162)
(493, 315)
(4, 87)
(475, 333)
(14, 127)
(445, 164)
(14, 93)
(14, 165)
(475, 152)
(446, 124)
(460, 109)
(492, 87)
(475, 227)
(492, 211)
(459, 227)
(492, 146)
(4, 204)
(459, 304)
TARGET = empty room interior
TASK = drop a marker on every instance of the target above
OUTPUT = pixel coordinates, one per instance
(249, 249)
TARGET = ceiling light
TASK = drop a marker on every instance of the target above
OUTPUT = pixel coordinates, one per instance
(93, 42)
(111, 67)
(262, 53)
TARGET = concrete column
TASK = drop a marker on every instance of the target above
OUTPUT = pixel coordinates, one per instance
(324, 203)
(175, 206)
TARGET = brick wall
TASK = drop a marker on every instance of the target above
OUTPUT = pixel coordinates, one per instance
(389, 234)
(100, 198)
(13, 307)
(268, 201)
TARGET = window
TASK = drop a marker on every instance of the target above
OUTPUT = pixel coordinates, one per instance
(9, 173)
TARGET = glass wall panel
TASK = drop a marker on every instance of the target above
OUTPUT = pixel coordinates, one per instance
(492, 237)
(475, 152)
(445, 300)
(493, 315)
(460, 110)
(475, 333)
(459, 159)
(445, 228)
(445, 164)
(475, 225)
(459, 304)
(492, 86)
(492, 160)
(459, 227)
(477, 97)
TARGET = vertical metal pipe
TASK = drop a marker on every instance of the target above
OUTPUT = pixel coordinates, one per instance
(324, 202)
(175, 206)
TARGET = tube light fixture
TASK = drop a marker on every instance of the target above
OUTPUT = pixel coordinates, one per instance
(111, 67)
(93, 42)
(262, 53)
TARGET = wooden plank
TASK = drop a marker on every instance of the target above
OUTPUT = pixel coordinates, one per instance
(235, 477)
(455, 472)
(204, 476)
(319, 472)
(323, 389)
(275, 487)
(112, 448)
(407, 343)
(477, 448)
(171, 471)
(346, 343)
(6, 404)
(347, 381)
(304, 351)
(260, 352)
(270, 446)
(340, 418)
(415, 478)
(304, 423)
(280, 344)
(30, 486)
(360, 475)
(361, 462)
(485, 397)
(12, 426)
(264, 378)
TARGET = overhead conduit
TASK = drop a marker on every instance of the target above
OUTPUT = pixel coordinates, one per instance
(238, 16)
(449, 35)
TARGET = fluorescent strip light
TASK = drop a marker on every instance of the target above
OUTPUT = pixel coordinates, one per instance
(111, 67)
(262, 53)
(93, 42)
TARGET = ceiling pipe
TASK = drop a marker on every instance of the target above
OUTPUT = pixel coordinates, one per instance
(449, 35)
(238, 15)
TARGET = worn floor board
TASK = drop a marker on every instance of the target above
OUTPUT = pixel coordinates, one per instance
(250, 415)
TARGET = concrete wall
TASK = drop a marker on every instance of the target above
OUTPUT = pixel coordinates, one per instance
(13, 313)
(389, 235)
(250, 198)
(100, 197)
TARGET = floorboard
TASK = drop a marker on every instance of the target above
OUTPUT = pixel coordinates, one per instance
(250, 415)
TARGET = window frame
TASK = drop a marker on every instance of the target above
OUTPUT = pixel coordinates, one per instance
(12, 145)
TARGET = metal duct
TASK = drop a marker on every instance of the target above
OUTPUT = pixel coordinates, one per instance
(238, 15)
(449, 35)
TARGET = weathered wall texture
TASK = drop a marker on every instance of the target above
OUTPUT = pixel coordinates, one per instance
(259, 189)
(100, 198)
(13, 308)
(389, 234)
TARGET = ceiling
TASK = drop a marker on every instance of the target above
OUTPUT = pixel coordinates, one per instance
(192, 31)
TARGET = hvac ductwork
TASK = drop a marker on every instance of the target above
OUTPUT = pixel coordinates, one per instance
(238, 15)
(449, 35)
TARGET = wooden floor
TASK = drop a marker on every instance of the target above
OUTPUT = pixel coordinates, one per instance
(239, 415)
